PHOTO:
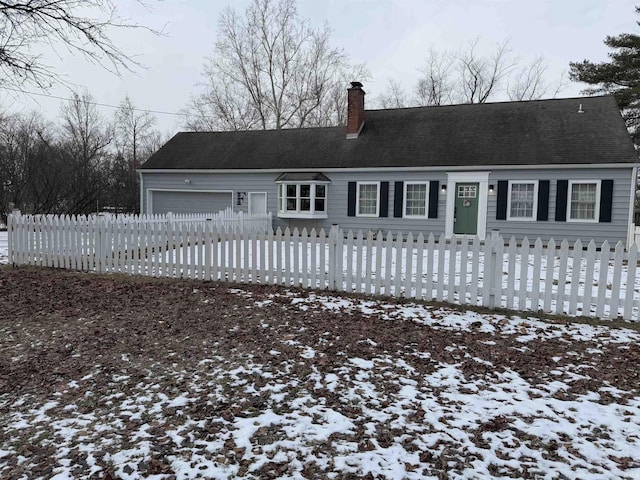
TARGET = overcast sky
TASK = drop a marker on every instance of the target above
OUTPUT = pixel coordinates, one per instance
(390, 36)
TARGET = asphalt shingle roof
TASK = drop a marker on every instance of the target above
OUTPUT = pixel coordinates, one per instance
(539, 132)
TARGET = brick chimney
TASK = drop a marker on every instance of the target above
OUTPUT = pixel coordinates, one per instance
(355, 110)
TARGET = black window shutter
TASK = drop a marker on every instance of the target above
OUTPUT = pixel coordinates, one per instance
(398, 197)
(351, 201)
(543, 201)
(501, 206)
(384, 199)
(606, 200)
(434, 186)
(562, 187)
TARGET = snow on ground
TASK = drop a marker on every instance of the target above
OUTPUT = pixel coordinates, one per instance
(394, 414)
(4, 247)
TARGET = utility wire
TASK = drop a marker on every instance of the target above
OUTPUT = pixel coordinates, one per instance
(159, 112)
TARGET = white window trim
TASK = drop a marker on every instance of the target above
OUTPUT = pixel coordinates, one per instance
(297, 213)
(535, 201)
(426, 200)
(596, 212)
(370, 215)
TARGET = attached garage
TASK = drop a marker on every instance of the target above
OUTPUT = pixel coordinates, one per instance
(177, 201)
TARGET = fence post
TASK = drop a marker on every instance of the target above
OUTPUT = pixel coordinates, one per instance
(333, 259)
(10, 222)
(98, 236)
(490, 274)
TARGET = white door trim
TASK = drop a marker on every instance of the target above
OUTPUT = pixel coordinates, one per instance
(482, 178)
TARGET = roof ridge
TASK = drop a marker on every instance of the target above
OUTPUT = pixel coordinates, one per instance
(479, 105)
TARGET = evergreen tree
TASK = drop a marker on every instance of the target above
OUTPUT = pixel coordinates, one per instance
(619, 76)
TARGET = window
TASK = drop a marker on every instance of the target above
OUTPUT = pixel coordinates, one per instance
(368, 197)
(302, 200)
(467, 191)
(584, 200)
(415, 199)
(523, 200)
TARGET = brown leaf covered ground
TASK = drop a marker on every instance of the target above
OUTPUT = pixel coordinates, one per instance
(120, 377)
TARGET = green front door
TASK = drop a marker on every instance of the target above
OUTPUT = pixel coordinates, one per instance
(466, 209)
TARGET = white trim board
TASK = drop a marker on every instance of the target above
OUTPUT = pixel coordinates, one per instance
(632, 204)
(141, 193)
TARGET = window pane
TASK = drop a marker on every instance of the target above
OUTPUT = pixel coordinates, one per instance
(522, 199)
(305, 191)
(320, 191)
(291, 190)
(292, 201)
(319, 204)
(368, 199)
(305, 204)
(416, 199)
(583, 201)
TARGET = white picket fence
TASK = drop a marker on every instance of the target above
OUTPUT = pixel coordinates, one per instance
(226, 220)
(563, 279)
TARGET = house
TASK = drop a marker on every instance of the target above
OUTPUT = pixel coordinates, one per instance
(561, 168)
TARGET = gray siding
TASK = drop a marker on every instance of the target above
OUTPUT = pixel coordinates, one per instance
(337, 207)
(338, 195)
(614, 231)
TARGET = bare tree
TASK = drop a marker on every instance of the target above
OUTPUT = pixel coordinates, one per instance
(466, 76)
(394, 96)
(75, 168)
(134, 133)
(28, 25)
(435, 86)
(270, 69)
(84, 137)
(135, 140)
(32, 177)
(480, 77)
(529, 83)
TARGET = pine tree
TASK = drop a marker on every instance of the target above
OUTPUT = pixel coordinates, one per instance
(619, 76)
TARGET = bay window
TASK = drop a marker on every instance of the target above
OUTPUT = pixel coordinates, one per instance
(302, 199)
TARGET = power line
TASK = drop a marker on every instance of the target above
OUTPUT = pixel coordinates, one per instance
(159, 112)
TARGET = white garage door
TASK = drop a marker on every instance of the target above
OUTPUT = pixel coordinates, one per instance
(190, 202)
